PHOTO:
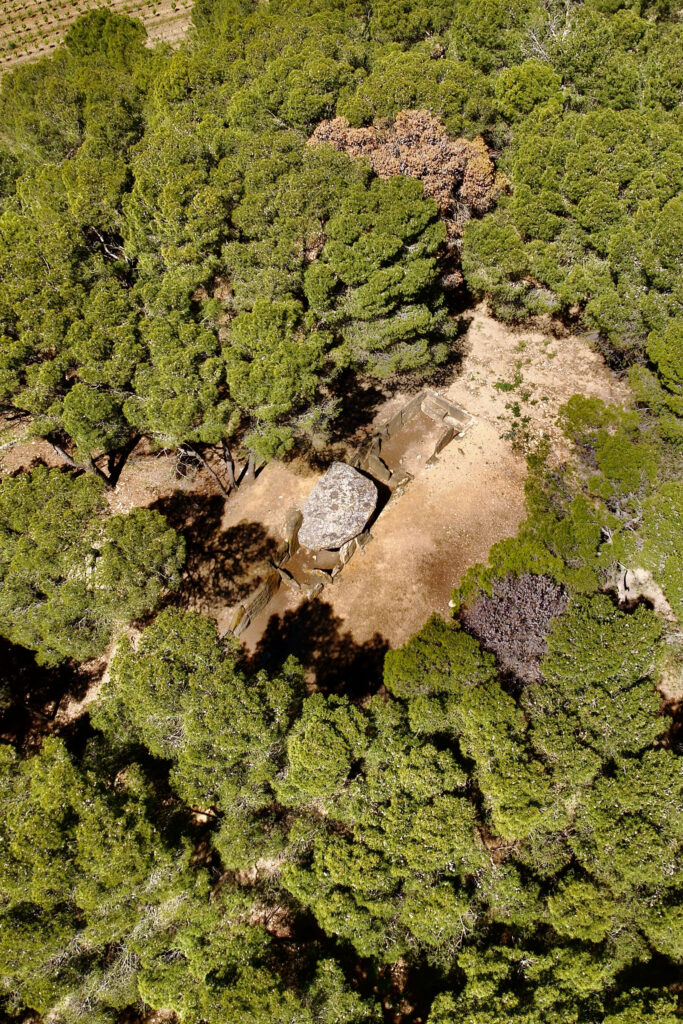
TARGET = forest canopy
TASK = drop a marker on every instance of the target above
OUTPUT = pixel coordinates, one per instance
(211, 246)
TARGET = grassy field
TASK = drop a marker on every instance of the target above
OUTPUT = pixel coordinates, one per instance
(32, 28)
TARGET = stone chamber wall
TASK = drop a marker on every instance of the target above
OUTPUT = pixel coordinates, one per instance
(367, 458)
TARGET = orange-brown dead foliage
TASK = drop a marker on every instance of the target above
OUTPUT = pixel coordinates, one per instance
(458, 174)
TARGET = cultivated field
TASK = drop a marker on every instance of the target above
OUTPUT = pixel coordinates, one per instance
(32, 28)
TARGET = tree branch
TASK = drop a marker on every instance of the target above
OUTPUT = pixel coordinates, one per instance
(187, 447)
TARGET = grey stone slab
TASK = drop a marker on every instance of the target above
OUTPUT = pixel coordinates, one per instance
(337, 509)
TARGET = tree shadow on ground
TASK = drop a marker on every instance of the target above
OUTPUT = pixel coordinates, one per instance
(223, 566)
(334, 661)
(358, 402)
(360, 398)
(30, 694)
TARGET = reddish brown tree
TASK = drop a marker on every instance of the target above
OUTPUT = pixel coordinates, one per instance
(458, 174)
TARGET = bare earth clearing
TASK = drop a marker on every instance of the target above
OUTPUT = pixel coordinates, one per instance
(448, 518)
(30, 29)
(453, 512)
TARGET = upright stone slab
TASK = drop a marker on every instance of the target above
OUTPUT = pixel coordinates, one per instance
(292, 524)
(337, 509)
(378, 468)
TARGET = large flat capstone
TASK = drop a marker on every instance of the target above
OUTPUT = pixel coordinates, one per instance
(338, 508)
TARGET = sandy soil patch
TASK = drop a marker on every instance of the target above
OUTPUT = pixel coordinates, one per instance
(21, 456)
(446, 521)
(670, 684)
(453, 512)
(520, 378)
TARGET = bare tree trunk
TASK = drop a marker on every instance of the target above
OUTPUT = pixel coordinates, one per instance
(92, 467)
(251, 469)
(63, 455)
(116, 464)
(188, 447)
(89, 466)
(229, 464)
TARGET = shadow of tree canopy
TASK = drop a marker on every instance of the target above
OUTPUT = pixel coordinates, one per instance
(30, 694)
(223, 566)
(334, 661)
(359, 398)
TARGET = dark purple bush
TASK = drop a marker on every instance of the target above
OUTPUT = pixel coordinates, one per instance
(514, 620)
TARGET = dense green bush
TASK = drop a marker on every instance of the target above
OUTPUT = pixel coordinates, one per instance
(70, 575)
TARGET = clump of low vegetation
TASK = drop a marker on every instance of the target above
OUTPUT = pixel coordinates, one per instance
(513, 621)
